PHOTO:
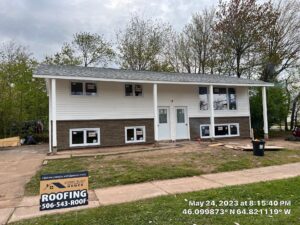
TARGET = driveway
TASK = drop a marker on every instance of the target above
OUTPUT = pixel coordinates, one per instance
(17, 166)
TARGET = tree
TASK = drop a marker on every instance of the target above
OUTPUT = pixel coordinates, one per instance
(86, 49)
(240, 26)
(92, 48)
(22, 98)
(141, 43)
(65, 57)
(280, 48)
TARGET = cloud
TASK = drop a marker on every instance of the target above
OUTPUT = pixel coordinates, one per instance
(44, 25)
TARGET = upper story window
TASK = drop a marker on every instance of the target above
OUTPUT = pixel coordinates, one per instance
(80, 88)
(224, 98)
(203, 95)
(133, 90)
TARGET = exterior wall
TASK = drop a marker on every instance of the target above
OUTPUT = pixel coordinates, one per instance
(242, 121)
(111, 102)
(112, 132)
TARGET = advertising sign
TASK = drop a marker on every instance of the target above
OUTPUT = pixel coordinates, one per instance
(63, 190)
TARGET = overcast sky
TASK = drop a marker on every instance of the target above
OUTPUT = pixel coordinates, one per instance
(44, 25)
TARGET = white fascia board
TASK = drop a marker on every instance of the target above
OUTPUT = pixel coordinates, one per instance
(149, 82)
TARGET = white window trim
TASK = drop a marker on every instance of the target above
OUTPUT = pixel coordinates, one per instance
(84, 136)
(135, 127)
(221, 124)
(133, 88)
(83, 88)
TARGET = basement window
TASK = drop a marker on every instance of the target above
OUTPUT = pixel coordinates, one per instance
(221, 130)
(84, 137)
(133, 90)
(135, 134)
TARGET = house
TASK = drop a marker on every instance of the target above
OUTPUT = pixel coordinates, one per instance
(113, 107)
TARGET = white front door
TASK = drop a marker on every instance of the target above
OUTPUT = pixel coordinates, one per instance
(163, 123)
(181, 123)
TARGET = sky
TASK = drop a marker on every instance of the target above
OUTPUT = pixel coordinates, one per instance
(44, 25)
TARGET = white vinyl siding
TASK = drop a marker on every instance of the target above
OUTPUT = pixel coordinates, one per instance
(113, 104)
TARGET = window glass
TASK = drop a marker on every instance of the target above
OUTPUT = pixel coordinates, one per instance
(91, 136)
(233, 130)
(163, 115)
(220, 98)
(221, 130)
(91, 88)
(77, 137)
(128, 90)
(205, 131)
(76, 88)
(203, 98)
(180, 116)
(139, 134)
(130, 134)
(232, 98)
(138, 90)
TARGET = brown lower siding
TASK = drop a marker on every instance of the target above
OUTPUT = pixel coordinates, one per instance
(242, 121)
(112, 132)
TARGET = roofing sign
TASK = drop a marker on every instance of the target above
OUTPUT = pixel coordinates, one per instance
(63, 190)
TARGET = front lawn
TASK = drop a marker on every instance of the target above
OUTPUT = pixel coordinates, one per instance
(168, 210)
(189, 160)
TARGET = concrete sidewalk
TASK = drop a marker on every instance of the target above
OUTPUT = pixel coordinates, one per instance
(29, 206)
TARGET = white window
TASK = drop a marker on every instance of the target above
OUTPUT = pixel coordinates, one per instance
(224, 98)
(84, 137)
(80, 88)
(133, 90)
(203, 95)
(135, 134)
(221, 130)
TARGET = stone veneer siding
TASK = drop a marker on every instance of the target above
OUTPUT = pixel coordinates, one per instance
(112, 132)
(242, 121)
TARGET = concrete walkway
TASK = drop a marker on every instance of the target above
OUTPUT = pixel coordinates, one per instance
(29, 206)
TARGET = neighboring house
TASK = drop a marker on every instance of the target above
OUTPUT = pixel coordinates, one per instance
(113, 107)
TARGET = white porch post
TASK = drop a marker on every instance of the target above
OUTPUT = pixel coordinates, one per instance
(53, 114)
(155, 112)
(212, 111)
(265, 112)
(50, 116)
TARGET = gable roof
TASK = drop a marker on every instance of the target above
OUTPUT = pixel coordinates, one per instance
(120, 75)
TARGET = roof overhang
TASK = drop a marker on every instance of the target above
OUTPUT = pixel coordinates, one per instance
(148, 81)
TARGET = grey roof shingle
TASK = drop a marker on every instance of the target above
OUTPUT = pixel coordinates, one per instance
(62, 72)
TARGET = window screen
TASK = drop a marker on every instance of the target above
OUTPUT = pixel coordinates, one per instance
(138, 90)
(232, 98)
(91, 136)
(203, 98)
(220, 98)
(91, 88)
(233, 130)
(130, 134)
(221, 130)
(77, 137)
(128, 90)
(139, 134)
(205, 132)
(76, 88)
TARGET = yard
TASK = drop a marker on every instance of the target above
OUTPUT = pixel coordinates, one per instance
(170, 209)
(189, 160)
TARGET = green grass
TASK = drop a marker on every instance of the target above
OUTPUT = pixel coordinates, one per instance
(168, 210)
(141, 167)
